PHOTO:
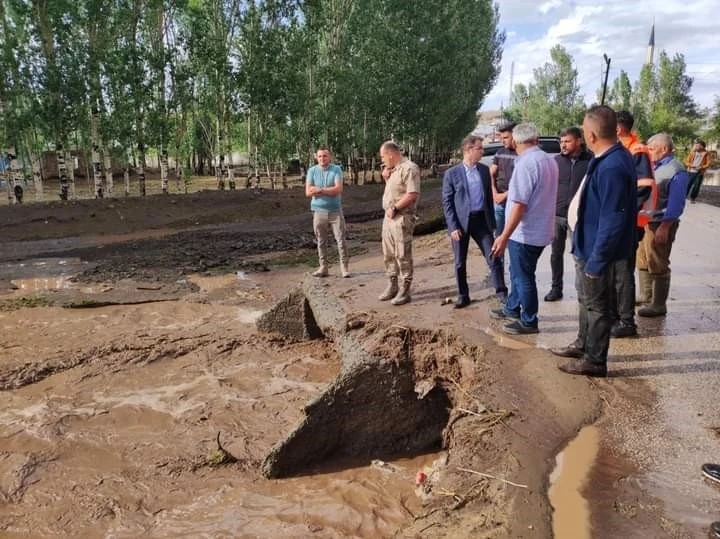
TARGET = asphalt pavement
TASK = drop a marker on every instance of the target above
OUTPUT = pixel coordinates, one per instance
(674, 365)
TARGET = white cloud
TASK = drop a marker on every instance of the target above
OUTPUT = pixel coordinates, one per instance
(588, 29)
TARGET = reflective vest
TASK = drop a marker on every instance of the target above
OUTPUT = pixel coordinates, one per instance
(649, 207)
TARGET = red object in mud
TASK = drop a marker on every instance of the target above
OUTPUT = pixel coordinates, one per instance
(420, 478)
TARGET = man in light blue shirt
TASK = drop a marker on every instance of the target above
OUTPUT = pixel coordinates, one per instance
(324, 183)
(529, 227)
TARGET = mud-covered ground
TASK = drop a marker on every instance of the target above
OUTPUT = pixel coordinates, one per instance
(129, 347)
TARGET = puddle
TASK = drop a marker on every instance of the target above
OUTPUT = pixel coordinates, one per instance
(217, 282)
(41, 283)
(507, 342)
(571, 513)
(45, 284)
(43, 273)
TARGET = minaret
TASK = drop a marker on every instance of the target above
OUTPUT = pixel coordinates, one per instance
(651, 46)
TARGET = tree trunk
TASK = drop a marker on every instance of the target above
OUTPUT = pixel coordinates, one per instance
(164, 172)
(37, 177)
(126, 178)
(141, 170)
(62, 171)
(96, 170)
(107, 165)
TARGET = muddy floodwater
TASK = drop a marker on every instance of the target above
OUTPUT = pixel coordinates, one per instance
(118, 444)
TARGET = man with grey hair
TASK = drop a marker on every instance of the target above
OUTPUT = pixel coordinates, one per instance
(529, 227)
(402, 192)
(653, 253)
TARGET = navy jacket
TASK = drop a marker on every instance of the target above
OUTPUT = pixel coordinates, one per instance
(605, 230)
(456, 198)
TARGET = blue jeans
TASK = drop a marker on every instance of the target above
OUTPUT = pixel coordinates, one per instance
(499, 227)
(523, 298)
(499, 219)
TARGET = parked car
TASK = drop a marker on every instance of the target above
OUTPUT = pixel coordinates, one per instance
(549, 145)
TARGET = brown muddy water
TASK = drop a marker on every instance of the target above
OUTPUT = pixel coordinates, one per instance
(571, 512)
(108, 417)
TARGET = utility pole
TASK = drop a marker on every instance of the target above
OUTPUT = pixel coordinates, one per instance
(607, 72)
(512, 76)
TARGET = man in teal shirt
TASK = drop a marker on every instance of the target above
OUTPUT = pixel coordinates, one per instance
(324, 183)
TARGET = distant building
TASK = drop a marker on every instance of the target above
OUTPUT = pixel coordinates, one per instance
(487, 123)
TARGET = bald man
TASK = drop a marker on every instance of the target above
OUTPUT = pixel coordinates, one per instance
(653, 254)
(402, 192)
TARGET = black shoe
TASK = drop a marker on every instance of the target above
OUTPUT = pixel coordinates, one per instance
(461, 303)
(518, 328)
(715, 530)
(553, 295)
(584, 367)
(502, 314)
(570, 351)
(711, 471)
(622, 329)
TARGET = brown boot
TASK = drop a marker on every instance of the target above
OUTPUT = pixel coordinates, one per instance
(644, 287)
(660, 291)
(403, 295)
(391, 290)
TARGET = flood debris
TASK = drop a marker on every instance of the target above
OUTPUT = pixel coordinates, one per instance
(220, 456)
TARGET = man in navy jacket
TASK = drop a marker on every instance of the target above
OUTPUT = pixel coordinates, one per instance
(469, 213)
(604, 213)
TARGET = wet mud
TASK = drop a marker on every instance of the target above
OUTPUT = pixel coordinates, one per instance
(130, 347)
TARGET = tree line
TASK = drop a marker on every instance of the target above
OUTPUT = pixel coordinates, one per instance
(197, 81)
(660, 99)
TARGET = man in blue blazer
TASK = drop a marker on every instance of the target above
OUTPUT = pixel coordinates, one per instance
(469, 213)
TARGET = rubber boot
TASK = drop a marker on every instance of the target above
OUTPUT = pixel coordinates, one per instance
(660, 291)
(644, 287)
(391, 290)
(403, 295)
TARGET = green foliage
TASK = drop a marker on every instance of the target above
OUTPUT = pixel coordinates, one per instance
(661, 101)
(552, 101)
(713, 131)
(201, 78)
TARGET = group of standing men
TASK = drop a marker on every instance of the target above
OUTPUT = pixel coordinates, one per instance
(619, 199)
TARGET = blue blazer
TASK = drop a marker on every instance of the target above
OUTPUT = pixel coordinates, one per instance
(456, 198)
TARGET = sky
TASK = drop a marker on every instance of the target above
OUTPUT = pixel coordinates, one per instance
(620, 29)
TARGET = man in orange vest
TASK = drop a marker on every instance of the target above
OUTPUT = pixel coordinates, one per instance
(624, 274)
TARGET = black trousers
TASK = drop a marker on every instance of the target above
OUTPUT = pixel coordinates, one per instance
(594, 297)
(557, 253)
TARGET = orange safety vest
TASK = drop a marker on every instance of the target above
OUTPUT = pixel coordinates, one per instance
(649, 207)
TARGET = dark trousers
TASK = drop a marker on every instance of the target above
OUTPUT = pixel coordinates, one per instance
(523, 298)
(557, 254)
(696, 179)
(483, 237)
(622, 302)
(594, 297)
